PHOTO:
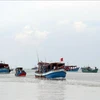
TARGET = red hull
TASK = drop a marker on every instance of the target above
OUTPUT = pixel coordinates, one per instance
(22, 74)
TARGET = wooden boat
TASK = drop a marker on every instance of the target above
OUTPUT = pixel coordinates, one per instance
(20, 72)
(89, 70)
(4, 68)
(50, 70)
(71, 68)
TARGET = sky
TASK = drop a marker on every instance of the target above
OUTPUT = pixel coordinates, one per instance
(50, 30)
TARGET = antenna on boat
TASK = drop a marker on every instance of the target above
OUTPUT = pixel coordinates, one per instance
(37, 55)
(67, 63)
(45, 59)
(1, 61)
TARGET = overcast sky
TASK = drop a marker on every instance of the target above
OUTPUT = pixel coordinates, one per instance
(54, 29)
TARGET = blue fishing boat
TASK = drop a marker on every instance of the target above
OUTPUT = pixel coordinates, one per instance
(20, 72)
(71, 68)
(51, 70)
(4, 68)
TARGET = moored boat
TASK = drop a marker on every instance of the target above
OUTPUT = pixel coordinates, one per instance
(89, 70)
(71, 68)
(20, 72)
(4, 68)
(51, 70)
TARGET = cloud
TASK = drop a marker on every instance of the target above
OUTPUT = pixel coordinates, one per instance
(79, 26)
(31, 36)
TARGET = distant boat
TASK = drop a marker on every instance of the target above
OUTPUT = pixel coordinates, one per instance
(20, 72)
(34, 68)
(89, 70)
(4, 68)
(50, 70)
(71, 68)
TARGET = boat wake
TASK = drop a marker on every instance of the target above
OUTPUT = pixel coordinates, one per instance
(83, 83)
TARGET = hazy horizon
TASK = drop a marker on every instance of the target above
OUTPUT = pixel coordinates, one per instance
(54, 29)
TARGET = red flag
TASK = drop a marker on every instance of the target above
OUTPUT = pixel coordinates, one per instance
(61, 59)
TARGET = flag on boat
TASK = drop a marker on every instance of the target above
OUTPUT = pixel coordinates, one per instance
(61, 59)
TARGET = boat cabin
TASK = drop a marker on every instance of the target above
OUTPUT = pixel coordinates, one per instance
(19, 68)
(3, 65)
(45, 67)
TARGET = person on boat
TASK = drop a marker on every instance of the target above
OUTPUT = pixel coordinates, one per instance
(54, 67)
(95, 67)
(23, 71)
(48, 68)
(43, 69)
(89, 68)
(40, 69)
(18, 72)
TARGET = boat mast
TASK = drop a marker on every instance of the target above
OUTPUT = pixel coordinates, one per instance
(67, 63)
(37, 56)
(45, 59)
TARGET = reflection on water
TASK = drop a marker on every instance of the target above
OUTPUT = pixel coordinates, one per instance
(51, 89)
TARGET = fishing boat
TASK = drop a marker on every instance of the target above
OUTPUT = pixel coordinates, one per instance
(4, 68)
(34, 68)
(51, 70)
(71, 68)
(20, 72)
(89, 70)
